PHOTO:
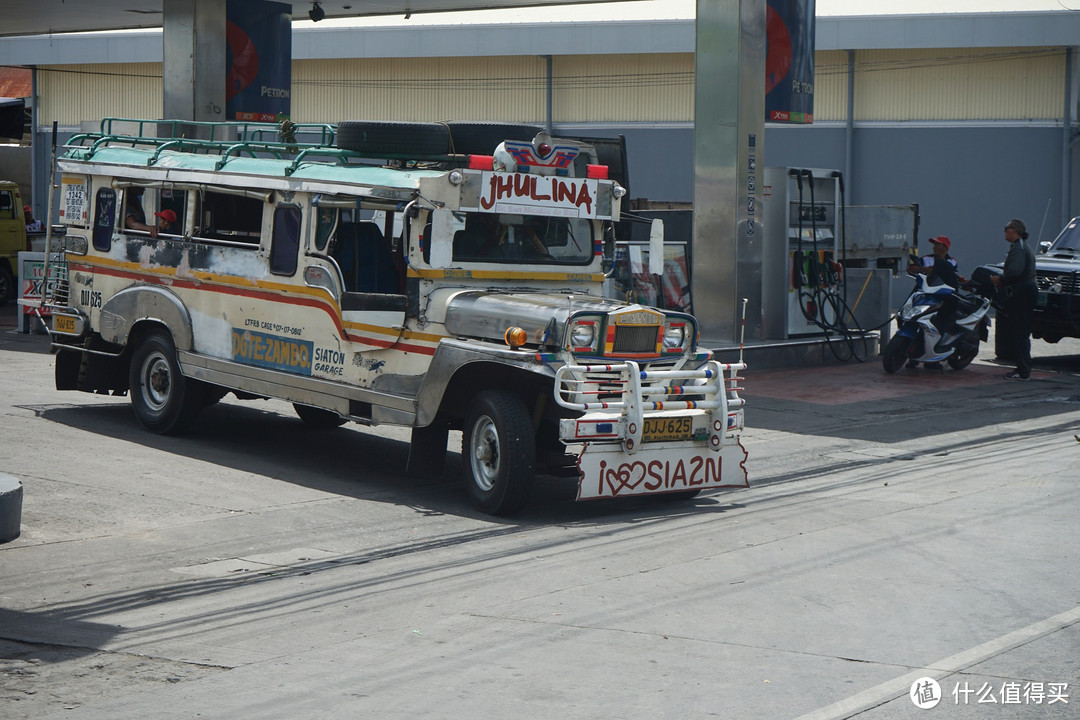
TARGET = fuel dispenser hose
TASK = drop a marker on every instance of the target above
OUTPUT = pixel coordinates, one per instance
(814, 300)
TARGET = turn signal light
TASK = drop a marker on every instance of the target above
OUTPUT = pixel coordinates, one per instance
(515, 337)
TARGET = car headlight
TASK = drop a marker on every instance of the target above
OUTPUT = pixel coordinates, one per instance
(674, 337)
(583, 336)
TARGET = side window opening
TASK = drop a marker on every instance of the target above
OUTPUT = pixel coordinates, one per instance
(170, 215)
(285, 244)
(364, 254)
(138, 210)
(7, 205)
(227, 217)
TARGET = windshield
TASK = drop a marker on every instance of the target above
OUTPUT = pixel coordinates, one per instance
(1069, 239)
(503, 238)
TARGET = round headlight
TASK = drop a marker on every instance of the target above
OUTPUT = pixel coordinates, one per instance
(618, 190)
(582, 336)
(455, 177)
(674, 337)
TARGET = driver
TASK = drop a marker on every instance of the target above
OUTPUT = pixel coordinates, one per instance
(940, 269)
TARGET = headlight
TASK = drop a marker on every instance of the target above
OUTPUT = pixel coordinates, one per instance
(583, 335)
(674, 337)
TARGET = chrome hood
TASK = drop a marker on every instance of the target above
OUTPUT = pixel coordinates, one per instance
(488, 314)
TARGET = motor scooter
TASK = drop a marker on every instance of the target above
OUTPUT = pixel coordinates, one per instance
(919, 337)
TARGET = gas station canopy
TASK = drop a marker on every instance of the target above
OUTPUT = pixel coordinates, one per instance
(41, 17)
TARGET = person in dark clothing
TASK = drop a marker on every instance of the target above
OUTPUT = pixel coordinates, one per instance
(1017, 283)
(940, 268)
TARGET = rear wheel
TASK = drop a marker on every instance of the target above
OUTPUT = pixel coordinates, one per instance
(318, 418)
(965, 353)
(163, 399)
(498, 447)
(895, 353)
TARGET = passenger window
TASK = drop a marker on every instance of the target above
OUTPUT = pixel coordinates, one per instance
(326, 220)
(227, 217)
(7, 206)
(137, 216)
(104, 218)
(286, 240)
(170, 214)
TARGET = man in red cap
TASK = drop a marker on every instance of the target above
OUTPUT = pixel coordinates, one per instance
(940, 268)
(32, 225)
(165, 220)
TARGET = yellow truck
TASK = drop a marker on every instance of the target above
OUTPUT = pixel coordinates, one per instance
(12, 237)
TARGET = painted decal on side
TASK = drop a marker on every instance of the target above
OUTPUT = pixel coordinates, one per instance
(271, 351)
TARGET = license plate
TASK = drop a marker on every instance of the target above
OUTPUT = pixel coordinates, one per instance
(64, 324)
(662, 429)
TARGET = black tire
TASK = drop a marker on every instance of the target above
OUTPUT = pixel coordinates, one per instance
(394, 138)
(498, 448)
(7, 284)
(483, 138)
(896, 353)
(164, 401)
(965, 353)
(318, 418)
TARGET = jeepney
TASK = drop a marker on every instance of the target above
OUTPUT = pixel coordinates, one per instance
(435, 276)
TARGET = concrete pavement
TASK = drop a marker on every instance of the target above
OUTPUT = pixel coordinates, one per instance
(897, 527)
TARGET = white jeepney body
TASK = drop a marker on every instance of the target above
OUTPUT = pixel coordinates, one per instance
(373, 283)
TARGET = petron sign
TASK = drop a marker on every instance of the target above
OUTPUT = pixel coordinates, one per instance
(789, 61)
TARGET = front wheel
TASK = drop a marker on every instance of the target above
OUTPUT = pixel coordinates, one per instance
(895, 353)
(965, 353)
(163, 399)
(498, 446)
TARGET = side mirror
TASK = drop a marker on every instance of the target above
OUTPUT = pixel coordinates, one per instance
(608, 264)
(1044, 246)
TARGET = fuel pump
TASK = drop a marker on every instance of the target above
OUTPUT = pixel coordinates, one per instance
(803, 241)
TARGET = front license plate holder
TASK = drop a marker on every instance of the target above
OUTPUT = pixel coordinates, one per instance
(667, 428)
(65, 324)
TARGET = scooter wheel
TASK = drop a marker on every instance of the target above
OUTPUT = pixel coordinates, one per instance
(896, 353)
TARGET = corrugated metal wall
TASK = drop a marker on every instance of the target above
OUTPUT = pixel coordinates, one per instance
(624, 88)
(830, 86)
(960, 84)
(71, 94)
(420, 89)
(893, 86)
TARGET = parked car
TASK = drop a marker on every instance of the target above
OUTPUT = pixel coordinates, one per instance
(1057, 270)
(12, 237)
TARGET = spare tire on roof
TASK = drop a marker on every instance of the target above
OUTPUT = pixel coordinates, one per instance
(481, 138)
(394, 138)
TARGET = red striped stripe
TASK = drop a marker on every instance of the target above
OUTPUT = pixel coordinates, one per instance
(261, 295)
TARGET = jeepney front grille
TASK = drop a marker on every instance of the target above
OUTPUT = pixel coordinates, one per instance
(635, 339)
(1069, 282)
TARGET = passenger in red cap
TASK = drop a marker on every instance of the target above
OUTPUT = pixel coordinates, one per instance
(939, 268)
(32, 225)
(165, 220)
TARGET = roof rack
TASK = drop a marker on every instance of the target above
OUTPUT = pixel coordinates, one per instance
(214, 138)
(229, 140)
